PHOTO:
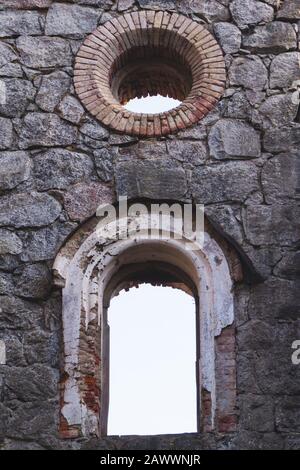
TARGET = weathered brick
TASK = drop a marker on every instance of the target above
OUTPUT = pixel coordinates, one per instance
(183, 36)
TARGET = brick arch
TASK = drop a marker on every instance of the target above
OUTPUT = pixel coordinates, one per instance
(86, 268)
(151, 52)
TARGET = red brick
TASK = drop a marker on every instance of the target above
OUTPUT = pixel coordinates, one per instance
(108, 49)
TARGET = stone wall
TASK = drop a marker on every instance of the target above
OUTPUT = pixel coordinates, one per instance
(58, 164)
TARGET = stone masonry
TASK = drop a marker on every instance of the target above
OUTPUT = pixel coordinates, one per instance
(58, 163)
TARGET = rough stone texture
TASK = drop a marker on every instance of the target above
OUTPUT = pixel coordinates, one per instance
(11, 70)
(44, 52)
(274, 224)
(6, 133)
(72, 21)
(273, 38)
(238, 106)
(9, 242)
(57, 164)
(257, 413)
(7, 54)
(33, 281)
(58, 168)
(229, 36)
(21, 23)
(43, 244)
(280, 177)
(226, 182)
(52, 88)
(278, 140)
(34, 418)
(27, 3)
(14, 169)
(230, 138)
(6, 287)
(156, 4)
(70, 109)
(227, 220)
(287, 414)
(41, 347)
(18, 314)
(92, 132)
(28, 210)
(18, 94)
(39, 383)
(189, 153)
(249, 72)
(45, 130)
(83, 199)
(289, 10)
(285, 295)
(249, 12)
(284, 70)
(157, 179)
(279, 110)
(104, 161)
(125, 4)
(210, 10)
(288, 267)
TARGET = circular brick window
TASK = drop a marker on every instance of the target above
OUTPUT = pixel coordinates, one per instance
(149, 53)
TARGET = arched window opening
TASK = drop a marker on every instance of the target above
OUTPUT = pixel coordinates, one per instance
(152, 376)
(93, 271)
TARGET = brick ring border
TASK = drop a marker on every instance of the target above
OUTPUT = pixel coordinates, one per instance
(103, 48)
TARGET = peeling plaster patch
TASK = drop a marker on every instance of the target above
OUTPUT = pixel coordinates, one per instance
(71, 410)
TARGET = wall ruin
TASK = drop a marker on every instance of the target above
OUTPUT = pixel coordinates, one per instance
(58, 163)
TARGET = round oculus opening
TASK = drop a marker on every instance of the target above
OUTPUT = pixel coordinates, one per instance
(150, 80)
(150, 55)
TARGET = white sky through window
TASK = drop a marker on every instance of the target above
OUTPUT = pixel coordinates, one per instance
(152, 362)
(152, 104)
